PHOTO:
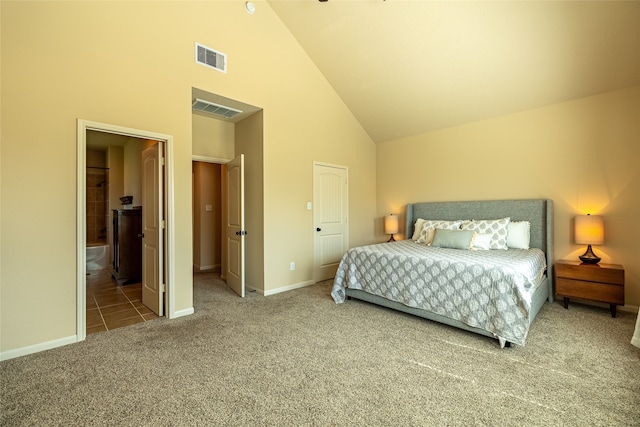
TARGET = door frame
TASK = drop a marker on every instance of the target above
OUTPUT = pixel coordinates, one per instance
(81, 215)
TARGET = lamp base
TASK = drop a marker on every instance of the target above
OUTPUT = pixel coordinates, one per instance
(391, 239)
(589, 257)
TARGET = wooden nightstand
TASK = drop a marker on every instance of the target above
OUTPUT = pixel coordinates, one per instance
(597, 282)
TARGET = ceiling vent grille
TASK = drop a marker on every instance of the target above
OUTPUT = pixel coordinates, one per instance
(211, 58)
(211, 108)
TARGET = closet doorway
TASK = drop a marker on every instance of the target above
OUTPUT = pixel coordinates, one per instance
(207, 216)
(221, 140)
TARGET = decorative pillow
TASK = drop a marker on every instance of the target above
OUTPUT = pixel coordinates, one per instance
(453, 239)
(443, 224)
(481, 241)
(519, 234)
(498, 228)
(417, 228)
(426, 237)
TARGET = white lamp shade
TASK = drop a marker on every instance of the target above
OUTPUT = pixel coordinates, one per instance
(589, 230)
(391, 224)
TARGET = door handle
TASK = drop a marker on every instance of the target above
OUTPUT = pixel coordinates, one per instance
(140, 234)
(318, 229)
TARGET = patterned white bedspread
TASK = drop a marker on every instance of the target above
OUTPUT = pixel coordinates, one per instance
(490, 290)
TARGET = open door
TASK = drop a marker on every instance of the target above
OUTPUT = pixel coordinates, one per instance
(235, 231)
(152, 228)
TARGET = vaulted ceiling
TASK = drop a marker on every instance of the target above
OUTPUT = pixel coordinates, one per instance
(405, 67)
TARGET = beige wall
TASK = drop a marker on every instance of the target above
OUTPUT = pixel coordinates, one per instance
(249, 142)
(207, 225)
(96, 159)
(584, 155)
(213, 138)
(96, 196)
(132, 167)
(132, 64)
(115, 155)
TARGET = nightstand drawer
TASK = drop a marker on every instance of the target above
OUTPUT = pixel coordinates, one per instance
(601, 273)
(612, 294)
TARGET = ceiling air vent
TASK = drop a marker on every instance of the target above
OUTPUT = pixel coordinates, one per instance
(211, 58)
(211, 108)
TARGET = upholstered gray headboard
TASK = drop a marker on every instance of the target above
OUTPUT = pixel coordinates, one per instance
(539, 212)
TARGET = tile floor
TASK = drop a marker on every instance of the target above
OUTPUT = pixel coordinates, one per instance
(110, 306)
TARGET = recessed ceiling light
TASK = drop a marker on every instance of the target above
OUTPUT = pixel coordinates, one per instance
(251, 8)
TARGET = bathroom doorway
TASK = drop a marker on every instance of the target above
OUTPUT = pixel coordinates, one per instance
(114, 184)
(166, 259)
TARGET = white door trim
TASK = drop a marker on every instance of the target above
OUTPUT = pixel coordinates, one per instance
(81, 228)
(206, 159)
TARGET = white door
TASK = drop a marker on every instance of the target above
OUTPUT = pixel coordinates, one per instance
(235, 231)
(152, 236)
(330, 217)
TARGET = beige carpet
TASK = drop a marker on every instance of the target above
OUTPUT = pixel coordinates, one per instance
(298, 359)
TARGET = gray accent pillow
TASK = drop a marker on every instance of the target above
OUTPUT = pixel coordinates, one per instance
(498, 228)
(453, 239)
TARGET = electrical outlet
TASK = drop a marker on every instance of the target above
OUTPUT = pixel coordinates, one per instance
(292, 266)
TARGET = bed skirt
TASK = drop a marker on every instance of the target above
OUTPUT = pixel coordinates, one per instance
(539, 297)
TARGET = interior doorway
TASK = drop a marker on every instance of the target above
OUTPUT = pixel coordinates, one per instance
(164, 211)
(114, 248)
(207, 215)
(221, 140)
(218, 220)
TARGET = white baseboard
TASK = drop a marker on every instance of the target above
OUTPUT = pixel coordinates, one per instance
(286, 288)
(36, 348)
(182, 313)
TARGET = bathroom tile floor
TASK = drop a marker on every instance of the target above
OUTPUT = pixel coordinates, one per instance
(111, 306)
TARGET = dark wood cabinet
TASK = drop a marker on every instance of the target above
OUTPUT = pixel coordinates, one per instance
(598, 282)
(127, 245)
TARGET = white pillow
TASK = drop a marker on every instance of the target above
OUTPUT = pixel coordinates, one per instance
(426, 234)
(498, 228)
(481, 241)
(417, 228)
(519, 234)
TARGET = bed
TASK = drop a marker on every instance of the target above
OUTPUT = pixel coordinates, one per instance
(495, 293)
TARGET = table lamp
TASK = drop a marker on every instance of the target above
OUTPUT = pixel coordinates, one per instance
(391, 226)
(589, 230)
